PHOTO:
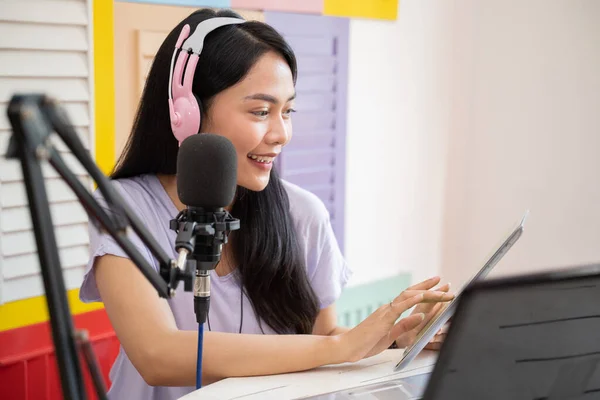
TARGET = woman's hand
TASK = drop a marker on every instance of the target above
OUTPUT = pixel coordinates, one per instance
(378, 331)
(438, 339)
(430, 310)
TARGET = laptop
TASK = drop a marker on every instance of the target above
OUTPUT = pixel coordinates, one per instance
(534, 336)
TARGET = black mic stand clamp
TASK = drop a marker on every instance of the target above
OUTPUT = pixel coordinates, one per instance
(201, 234)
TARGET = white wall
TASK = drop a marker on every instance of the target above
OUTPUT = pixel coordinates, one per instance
(398, 110)
(525, 133)
(462, 114)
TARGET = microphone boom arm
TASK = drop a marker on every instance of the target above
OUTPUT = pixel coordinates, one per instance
(33, 118)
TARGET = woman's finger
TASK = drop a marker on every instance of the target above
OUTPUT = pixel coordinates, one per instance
(428, 295)
(412, 292)
(444, 329)
(436, 342)
(438, 338)
(433, 346)
(426, 284)
(434, 297)
(428, 308)
(399, 306)
(444, 288)
(405, 325)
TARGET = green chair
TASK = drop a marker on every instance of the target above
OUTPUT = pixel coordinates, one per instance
(357, 302)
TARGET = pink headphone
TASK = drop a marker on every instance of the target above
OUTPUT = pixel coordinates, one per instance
(184, 108)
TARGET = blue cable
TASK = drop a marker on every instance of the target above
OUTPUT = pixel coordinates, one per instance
(199, 360)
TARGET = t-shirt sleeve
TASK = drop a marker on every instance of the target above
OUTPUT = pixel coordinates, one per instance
(102, 243)
(327, 269)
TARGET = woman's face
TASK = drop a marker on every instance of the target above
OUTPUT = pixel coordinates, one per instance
(255, 115)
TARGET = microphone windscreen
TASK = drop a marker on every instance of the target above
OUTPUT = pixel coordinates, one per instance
(206, 171)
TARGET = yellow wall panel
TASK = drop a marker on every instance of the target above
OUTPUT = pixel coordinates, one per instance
(104, 85)
(35, 310)
(380, 9)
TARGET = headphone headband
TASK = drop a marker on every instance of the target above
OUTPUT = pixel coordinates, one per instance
(195, 43)
(184, 109)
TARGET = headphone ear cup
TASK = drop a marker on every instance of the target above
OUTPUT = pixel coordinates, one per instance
(188, 112)
(184, 107)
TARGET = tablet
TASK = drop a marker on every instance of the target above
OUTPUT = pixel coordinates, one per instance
(446, 311)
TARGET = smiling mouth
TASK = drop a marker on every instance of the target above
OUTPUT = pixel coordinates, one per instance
(261, 159)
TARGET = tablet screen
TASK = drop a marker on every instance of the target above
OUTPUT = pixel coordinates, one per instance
(447, 309)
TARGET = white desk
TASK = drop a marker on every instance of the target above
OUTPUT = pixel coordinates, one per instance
(317, 381)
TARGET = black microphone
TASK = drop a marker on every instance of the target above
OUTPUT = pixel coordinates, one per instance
(206, 184)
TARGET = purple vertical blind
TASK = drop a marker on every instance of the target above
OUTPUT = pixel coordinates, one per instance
(315, 158)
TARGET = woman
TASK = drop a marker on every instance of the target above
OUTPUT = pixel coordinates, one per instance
(274, 290)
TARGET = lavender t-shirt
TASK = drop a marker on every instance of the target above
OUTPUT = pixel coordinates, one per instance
(325, 266)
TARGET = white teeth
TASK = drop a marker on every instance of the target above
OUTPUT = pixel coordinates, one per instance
(261, 159)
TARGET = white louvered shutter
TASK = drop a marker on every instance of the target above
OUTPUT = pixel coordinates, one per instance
(45, 46)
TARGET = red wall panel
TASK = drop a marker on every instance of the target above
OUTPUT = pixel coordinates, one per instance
(28, 367)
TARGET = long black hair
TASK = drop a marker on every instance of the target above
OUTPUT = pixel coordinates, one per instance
(270, 264)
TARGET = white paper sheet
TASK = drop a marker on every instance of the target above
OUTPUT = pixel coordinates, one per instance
(317, 381)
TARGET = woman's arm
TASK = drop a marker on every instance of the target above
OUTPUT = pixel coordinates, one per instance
(326, 323)
(166, 356)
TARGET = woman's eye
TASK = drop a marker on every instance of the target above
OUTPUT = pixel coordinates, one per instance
(262, 113)
(289, 112)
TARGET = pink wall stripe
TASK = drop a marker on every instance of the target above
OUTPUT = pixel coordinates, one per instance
(302, 6)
